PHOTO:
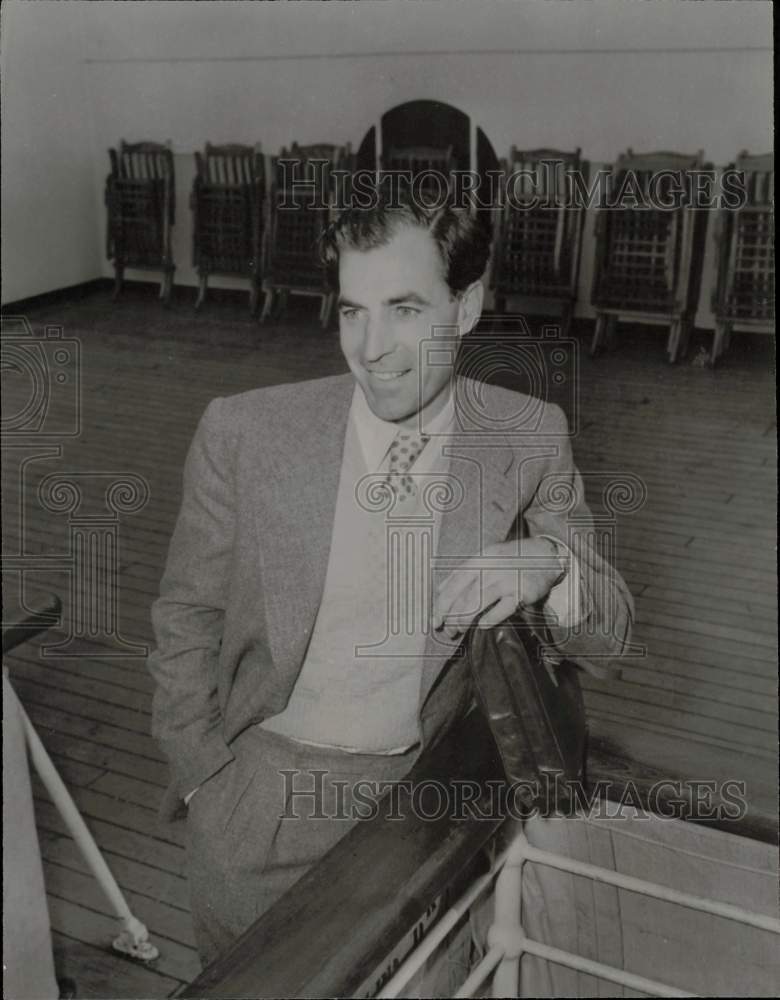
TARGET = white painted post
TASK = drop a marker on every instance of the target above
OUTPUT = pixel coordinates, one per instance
(134, 938)
(507, 930)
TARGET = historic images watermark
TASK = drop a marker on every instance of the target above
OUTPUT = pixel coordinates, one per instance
(487, 464)
(42, 413)
(317, 185)
(311, 794)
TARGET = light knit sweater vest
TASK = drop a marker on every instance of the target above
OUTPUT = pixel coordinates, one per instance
(358, 688)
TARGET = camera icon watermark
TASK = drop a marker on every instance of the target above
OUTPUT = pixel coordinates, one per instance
(42, 413)
(41, 381)
(537, 366)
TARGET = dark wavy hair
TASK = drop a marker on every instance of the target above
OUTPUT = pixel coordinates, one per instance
(462, 238)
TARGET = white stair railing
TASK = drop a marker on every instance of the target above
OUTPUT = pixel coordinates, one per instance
(507, 941)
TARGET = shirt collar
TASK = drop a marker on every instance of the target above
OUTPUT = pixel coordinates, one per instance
(376, 435)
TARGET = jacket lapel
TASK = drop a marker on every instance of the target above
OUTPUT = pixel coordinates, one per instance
(483, 471)
(297, 490)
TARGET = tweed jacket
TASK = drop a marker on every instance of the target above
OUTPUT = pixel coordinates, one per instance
(248, 557)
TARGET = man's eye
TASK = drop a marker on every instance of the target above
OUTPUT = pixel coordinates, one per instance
(349, 315)
(406, 312)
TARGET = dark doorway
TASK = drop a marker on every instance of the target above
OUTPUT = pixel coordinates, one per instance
(430, 123)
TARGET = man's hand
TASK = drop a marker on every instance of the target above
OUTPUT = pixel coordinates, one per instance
(494, 584)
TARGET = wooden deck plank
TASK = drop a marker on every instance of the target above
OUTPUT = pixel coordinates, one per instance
(738, 657)
(96, 650)
(708, 467)
(117, 840)
(127, 789)
(706, 527)
(77, 751)
(712, 690)
(728, 684)
(70, 681)
(74, 771)
(80, 887)
(719, 558)
(629, 719)
(126, 815)
(39, 701)
(756, 629)
(124, 679)
(96, 970)
(764, 603)
(751, 675)
(655, 548)
(653, 570)
(651, 693)
(716, 731)
(133, 725)
(176, 960)
(685, 589)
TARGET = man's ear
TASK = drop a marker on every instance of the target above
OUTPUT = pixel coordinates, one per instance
(470, 308)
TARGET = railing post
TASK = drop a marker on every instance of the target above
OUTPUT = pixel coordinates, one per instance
(507, 930)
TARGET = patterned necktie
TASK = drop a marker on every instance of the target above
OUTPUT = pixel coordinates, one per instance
(404, 452)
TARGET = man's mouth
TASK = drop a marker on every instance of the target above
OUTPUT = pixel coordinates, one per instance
(389, 376)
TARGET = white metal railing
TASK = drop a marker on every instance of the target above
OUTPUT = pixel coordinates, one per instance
(507, 942)
(133, 939)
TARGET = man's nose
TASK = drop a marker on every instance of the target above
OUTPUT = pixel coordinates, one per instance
(378, 339)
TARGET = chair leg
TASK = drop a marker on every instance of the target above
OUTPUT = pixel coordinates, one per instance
(254, 297)
(685, 337)
(673, 342)
(679, 337)
(598, 334)
(611, 334)
(717, 342)
(119, 277)
(604, 334)
(566, 317)
(720, 340)
(166, 286)
(202, 287)
(268, 305)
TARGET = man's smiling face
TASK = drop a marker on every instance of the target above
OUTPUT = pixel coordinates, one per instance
(392, 298)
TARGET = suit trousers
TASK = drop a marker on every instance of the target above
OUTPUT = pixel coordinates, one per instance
(257, 825)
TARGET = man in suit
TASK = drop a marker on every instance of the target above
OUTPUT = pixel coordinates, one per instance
(335, 540)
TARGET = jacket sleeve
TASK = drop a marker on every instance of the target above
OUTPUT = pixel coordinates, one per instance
(188, 616)
(559, 510)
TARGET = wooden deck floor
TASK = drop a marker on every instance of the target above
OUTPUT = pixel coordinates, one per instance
(699, 557)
